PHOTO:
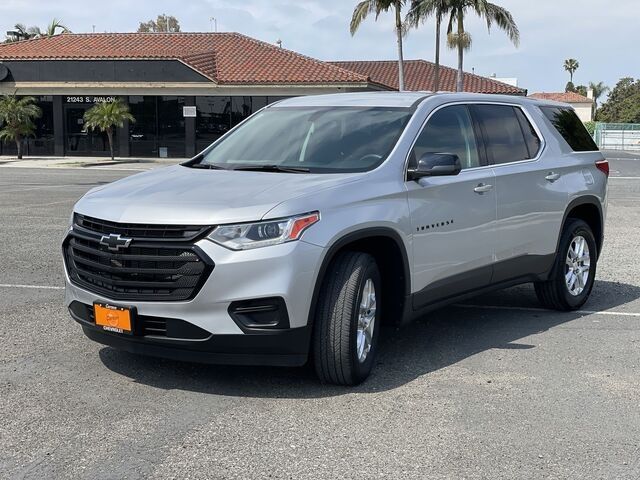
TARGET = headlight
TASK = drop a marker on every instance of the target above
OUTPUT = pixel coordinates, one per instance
(245, 236)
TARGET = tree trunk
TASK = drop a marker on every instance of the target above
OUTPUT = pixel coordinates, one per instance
(400, 56)
(19, 146)
(460, 85)
(436, 76)
(110, 138)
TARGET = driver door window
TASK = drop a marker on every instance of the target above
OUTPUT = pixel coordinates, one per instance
(449, 130)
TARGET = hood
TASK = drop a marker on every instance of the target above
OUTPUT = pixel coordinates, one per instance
(181, 195)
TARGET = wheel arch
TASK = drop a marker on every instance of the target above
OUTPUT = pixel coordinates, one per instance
(589, 209)
(396, 276)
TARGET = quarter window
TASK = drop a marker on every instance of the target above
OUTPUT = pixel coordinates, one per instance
(449, 130)
(567, 123)
(530, 135)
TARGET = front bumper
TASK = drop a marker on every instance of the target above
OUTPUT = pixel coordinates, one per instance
(286, 271)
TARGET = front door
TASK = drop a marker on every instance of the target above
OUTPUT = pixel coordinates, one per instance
(453, 217)
(77, 140)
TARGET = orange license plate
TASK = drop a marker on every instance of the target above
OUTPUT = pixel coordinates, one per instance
(113, 318)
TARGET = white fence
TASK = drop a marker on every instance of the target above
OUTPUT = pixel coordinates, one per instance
(618, 136)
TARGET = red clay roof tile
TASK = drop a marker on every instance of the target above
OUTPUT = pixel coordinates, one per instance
(229, 58)
(565, 97)
(419, 75)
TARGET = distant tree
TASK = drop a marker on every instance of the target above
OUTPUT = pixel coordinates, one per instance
(164, 23)
(16, 119)
(571, 65)
(364, 8)
(623, 103)
(599, 89)
(105, 117)
(582, 90)
(570, 87)
(21, 32)
(53, 27)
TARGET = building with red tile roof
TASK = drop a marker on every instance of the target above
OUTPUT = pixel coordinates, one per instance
(419, 75)
(184, 89)
(584, 106)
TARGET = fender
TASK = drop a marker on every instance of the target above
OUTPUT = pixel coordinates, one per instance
(352, 237)
(576, 202)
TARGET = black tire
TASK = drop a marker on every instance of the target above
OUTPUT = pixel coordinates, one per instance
(554, 292)
(335, 327)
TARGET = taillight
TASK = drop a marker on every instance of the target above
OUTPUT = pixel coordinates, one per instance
(603, 166)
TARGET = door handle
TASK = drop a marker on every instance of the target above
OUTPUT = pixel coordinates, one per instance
(552, 177)
(482, 188)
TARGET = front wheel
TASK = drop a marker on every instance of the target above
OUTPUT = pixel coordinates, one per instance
(347, 321)
(574, 269)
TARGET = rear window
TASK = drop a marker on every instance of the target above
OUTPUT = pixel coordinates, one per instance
(571, 128)
(504, 137)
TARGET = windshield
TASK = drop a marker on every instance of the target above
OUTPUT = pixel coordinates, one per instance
(325, 140)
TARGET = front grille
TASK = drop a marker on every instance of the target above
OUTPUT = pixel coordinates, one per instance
(140, 230)
(152, 269)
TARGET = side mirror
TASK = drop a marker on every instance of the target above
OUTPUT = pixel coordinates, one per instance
(435, 164)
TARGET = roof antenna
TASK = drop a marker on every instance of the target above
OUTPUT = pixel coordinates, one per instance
(213, 21)
(279, 43)
(94, 28)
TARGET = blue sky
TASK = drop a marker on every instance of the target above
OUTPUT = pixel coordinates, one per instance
(601, 35)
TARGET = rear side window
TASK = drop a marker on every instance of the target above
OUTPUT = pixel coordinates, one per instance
(571, 128)
(504, 138)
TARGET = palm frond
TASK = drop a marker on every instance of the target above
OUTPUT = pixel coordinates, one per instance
(360, 13)
(503, 18)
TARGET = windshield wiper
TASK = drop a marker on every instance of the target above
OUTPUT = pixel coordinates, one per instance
(272, 168)
(207, 166)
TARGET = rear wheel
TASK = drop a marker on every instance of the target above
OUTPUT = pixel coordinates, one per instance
(347, 320)
(574, 270)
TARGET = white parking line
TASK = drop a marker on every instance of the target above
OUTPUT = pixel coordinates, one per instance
(35, 287)
(624, 178)
(534, 309)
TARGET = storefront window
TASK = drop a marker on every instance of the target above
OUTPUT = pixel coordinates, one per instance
(143, 133)
(171, 132)
(41, 143)
(213, 120)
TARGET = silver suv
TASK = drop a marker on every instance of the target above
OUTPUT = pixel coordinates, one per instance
(298, 233)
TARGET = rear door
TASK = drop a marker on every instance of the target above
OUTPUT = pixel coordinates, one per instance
(530, 200)
(452, 216)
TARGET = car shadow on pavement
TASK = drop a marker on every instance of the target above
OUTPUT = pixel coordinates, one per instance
(438, 340)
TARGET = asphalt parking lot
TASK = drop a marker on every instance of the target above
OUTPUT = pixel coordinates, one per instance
(495, 389)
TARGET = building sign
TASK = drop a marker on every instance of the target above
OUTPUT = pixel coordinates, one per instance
(90, 99)
(189, 112)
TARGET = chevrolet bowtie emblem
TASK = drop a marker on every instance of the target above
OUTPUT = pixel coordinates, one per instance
(115, 242)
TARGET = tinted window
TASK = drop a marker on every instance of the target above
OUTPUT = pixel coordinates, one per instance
(324, 140)
(530, 135)
(571, 128)
(449, 130)
(504, 139)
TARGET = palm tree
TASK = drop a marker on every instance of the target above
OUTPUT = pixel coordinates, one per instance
(571, 65)
(16, 119)
(364, 8)
(21, 32)
(52, 28)
(598, 89)
(461, 39)
(419, 12)
(105, 116)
